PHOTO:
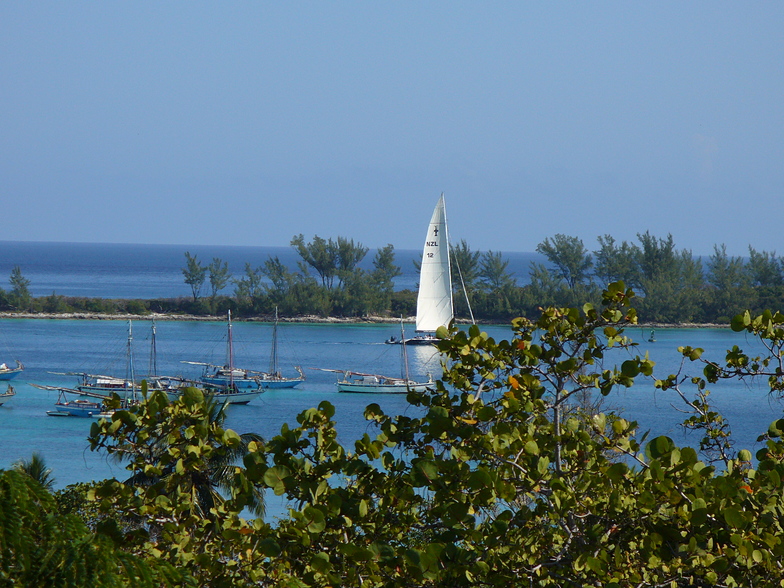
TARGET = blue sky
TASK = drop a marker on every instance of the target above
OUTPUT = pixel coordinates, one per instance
(247, 123)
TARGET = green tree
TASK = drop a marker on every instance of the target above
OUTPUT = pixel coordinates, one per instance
(571, 259)
(330, 259)
(319, 254)
(499, 289)
(495, 476)
(349, 255)
(195, 274)
(614, 262)
(764, 268)
(207, 484)
(249, 288)
(731, 283)
(493, 272)
(37, 469)
(173, 450)
(219, 276)
(465, 266)
(20, 289)
(382, 278)
(658, 259)
(40, 546)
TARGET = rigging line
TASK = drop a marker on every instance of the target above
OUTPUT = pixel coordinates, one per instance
(465, 292)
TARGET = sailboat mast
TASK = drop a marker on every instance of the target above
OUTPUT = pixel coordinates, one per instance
(129, 374)
(404, 351)
(153, 353)
(230, 354)
(274, 353)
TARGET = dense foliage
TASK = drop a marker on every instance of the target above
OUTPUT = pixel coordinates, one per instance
(505, 474)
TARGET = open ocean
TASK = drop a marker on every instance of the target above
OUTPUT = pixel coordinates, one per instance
(49, 347)
(111, 270)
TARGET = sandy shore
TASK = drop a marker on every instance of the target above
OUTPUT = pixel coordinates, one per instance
(190, 317)
(301, 319)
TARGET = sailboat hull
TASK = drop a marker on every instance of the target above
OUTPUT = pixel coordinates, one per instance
(274, 384)
(359, 388)
(370, 384)
(241, 383)
(237, 397)
(7, 373)
(423, 340)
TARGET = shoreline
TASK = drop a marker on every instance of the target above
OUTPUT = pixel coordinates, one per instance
(307, 319)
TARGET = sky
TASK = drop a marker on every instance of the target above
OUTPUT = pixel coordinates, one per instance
(246, 123)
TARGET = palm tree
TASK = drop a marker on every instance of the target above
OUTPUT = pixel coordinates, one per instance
(36, 468)
(208, 484)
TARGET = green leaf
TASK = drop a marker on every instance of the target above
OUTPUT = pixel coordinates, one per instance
(315, 519)
(617, 471)
(740, 322)
(532, 448)
(275, 478)
(734, 517)
(629, 368)
(320, 563)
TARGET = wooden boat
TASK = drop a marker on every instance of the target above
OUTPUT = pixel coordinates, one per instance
(228, 376)
(230, 393)
(363, 383)
(78, 407)
(104, 385)
(7, 395)
(8, 373)
(360, 383)
(274, 378)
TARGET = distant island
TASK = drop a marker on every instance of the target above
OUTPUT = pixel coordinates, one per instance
(672, 286)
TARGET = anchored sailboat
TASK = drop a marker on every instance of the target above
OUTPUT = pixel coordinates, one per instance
(359, 382)
(228, 375)
(224, 383)
(273, 378)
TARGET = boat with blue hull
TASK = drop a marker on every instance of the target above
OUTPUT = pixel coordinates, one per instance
(274, 379)
(228, 376)
(8, 373)
(83, 404)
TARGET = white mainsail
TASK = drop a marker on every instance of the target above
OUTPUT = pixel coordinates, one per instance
(434, 302)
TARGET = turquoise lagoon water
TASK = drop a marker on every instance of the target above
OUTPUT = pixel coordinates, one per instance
(46, 346)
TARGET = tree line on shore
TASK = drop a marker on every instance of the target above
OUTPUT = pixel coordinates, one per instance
(673, 285)
(509, 472)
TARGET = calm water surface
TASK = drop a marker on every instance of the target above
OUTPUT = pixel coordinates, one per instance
(111, 270)
(47, 346)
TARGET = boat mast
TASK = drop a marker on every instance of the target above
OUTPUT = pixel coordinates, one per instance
(153, 353)
(274, 353)
(230, 355)
(404, 350)
(129, 374)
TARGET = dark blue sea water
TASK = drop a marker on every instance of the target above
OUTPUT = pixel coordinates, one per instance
(105, 270)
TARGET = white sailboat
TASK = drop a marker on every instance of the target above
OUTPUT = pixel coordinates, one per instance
(362, 383)
(434, 300)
